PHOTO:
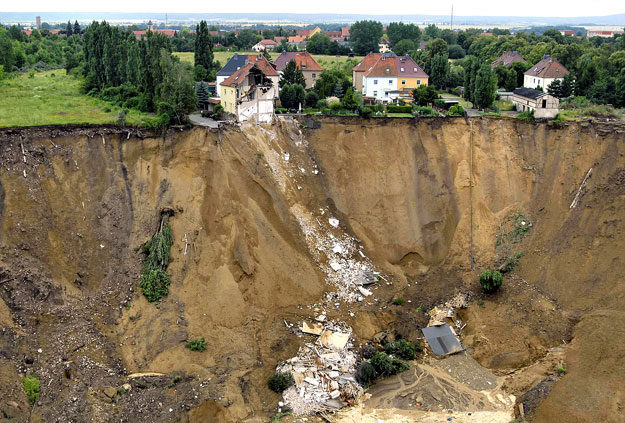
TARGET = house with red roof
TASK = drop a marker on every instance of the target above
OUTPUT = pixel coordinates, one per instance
(249, 94)
(264, 45)
(392, 77)
(507, 58)
(359, 70)
(543, 73)
(237, 61)
(345, 32)
(304, 61)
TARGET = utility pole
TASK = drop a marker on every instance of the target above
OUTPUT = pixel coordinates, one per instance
(452, 17)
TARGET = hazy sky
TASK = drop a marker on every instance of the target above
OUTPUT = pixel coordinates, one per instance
(562, 8)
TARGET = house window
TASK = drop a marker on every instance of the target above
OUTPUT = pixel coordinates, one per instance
(375, 93)
(415, 69)
(418, 82)
(375, 82)
(390, 82)
(544, 104)
(314, 75)
(386, 94)
(403, 82)
(402, 69)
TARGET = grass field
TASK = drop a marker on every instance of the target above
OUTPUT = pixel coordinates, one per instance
(54, 98)
(465, 104)
(224, 56)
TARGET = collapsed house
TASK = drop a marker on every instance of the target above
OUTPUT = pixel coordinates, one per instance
(249, 94)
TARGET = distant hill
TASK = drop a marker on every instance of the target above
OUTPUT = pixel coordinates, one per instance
(293, 18)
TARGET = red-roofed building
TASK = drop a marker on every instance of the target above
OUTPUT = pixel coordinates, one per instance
(507, 58)
(249, 94)
(605, 34)
(359, 70)
(237, 61)
(543, 73)
(304, 61)
(264, 45)
(169, 32)
(345, 32)
(393, 77)
(566, 32)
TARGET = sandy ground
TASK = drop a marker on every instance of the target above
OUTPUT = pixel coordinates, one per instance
(72, 228)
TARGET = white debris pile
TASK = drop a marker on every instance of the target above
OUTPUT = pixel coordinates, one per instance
(324, 371)
(339, 255)
(448, 310)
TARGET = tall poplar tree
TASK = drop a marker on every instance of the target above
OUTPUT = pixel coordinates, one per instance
(203, 47)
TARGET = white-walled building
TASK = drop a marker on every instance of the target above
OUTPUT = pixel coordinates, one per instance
(264, 45)
(392, 77)
(530, 100)
(543, 73)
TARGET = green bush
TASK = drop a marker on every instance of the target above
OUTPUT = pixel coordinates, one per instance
(336, 107)
(196, 344)
(491, 281)
(366, 112)
(402, 349)
(322, 104)
(387, 366)
(398, 301)
(281, 110)
(31, 387)
(456, 110)
(365, 373)
(280, 381)
(425, 111)
(154, 279)
(392, 108)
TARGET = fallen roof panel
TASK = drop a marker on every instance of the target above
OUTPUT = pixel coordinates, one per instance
(442, 339)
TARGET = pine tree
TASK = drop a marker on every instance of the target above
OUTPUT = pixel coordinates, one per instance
(201, 89)
(338, 90)
(77, 29)
(69, 29)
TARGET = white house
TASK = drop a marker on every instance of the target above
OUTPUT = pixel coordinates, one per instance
(384, 46)
(264, 45)
(392, 77)
(543, 73)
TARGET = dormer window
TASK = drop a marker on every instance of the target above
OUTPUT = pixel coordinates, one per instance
(415, 69)
(402, 69)
(388, 70)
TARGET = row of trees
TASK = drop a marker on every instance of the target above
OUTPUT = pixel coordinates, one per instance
(138, 73)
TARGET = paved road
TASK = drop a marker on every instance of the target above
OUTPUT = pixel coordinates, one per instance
(197, 119)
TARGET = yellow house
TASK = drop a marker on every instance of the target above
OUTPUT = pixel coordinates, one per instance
(249, 94)
(409, 74)
(411, 83)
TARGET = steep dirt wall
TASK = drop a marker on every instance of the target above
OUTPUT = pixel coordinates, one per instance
(72, 229)
(404, 189)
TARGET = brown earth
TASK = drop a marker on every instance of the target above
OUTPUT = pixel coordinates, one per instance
(72, 228)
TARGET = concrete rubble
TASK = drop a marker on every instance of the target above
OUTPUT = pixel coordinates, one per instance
(324, 370)
(446, 313)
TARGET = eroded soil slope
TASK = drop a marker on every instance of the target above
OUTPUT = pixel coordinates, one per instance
(77, 206)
